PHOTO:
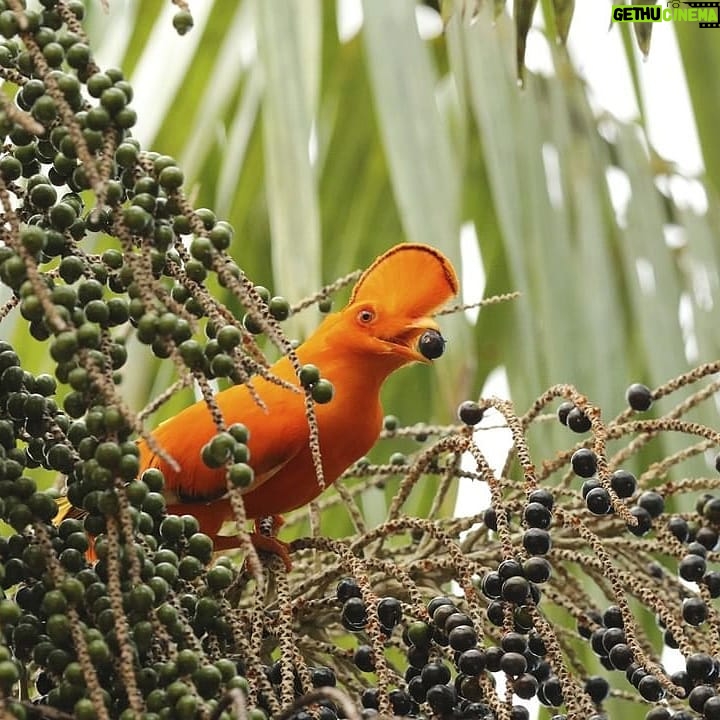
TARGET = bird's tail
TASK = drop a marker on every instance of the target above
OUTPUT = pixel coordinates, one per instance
(64, 507)
(67, 510)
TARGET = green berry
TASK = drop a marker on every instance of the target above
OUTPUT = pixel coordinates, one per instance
(322, 391)
(309, 375)
(200, 546)
(228, 337)
(239, 432)
(182, 22)
(221, 235)
(171, 528)
(108, 454)
(9, 675)
(240, 475)
(98, 83)
(10, 168)
(252, 324)
(54, 54)
(390, 423)
(221, 447)
(126, 118)
(136, 219)
(64, 347)
(171, 178)
(279, 308)
(44, 110)
(43, 195)
(190, 568)
(222, 365)
(78, 56)
(33, 238)
(8, 24)
(398, 458)
(113, 99)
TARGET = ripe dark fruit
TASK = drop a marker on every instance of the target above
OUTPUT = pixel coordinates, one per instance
(537, 569)
(537, 541)
(699, 695)
(623, 483)
(644, 521)
(389, 612)
(363, 658)
(678, 526)
(492, 586)
(597, 688)
(694, 611)
(563, 411)
(711, 708)
(639, 397)
(650, 688)
(442, 699)
(470, 413)
(354, 614)
(347, 588)
(699, 667)
(620, 656)
(471, 662)
(652, 502)
(537, 516)
(462, 638)
(584, 462)
(542, 496)
(435, 673)
(431, 344)
(598, 501)
(513, 664)
(515, 589)
(692, 568)
(578, 421)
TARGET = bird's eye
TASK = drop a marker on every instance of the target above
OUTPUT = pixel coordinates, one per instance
(366, 316)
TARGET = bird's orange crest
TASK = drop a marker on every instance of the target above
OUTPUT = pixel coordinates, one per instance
(410, 279)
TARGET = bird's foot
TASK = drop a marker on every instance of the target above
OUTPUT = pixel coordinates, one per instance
(265, 539)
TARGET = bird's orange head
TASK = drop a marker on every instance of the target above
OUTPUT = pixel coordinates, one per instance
(389, 314)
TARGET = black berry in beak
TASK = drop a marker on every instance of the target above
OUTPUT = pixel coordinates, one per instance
(431, 344)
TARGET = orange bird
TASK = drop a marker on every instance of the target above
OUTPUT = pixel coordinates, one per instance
(383, 327)
(386, 324)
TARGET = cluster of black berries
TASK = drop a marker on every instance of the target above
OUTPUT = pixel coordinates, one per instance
(648, 505)
(436, 687)
(609, 642)
(320, 677)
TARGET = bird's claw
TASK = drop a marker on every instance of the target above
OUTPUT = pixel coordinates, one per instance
(265, 539)
(269, 544)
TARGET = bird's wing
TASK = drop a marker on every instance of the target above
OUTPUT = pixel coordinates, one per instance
(277, 432)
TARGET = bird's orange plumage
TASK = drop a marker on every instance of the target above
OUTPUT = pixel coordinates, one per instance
(356, 349)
